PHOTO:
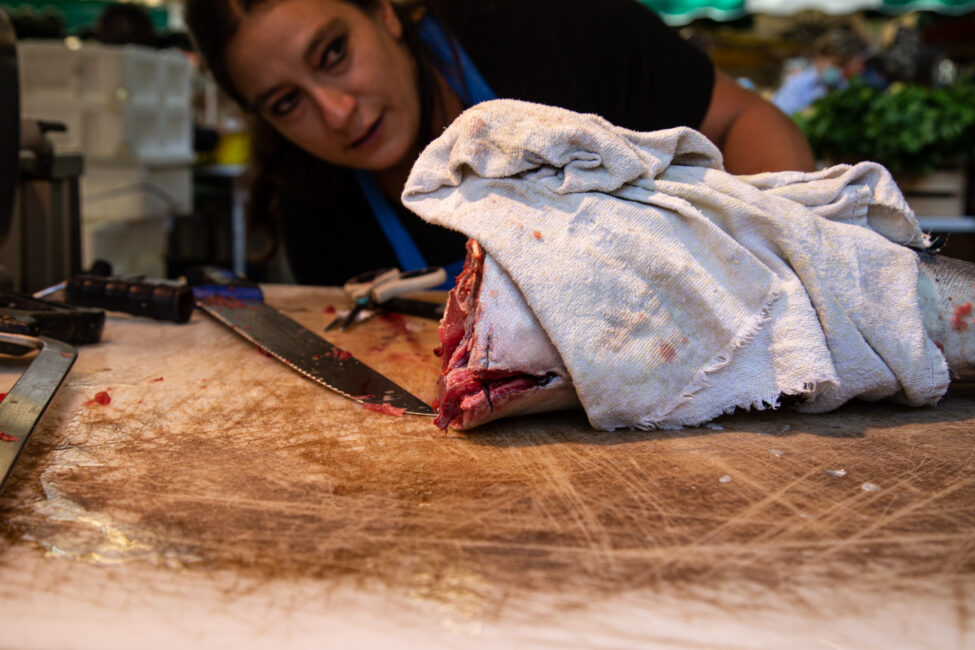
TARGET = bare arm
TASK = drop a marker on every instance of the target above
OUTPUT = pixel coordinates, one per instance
(753, 134)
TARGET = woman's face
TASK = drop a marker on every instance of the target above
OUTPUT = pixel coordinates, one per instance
(336, 80)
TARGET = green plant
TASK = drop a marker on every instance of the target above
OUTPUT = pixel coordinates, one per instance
(907, 128)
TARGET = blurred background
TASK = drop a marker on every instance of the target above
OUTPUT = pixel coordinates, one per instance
(137, 159)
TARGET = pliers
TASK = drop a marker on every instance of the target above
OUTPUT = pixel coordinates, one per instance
(381, 287)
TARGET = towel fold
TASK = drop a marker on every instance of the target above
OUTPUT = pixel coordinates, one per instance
(674, 291)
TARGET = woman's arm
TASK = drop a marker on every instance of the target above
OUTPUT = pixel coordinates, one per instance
(753, 134)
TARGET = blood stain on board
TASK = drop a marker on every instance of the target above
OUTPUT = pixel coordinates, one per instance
(101, 397)
(8, 438)
(156, 380)
(396, 322)
(388, 409)
(958, 321)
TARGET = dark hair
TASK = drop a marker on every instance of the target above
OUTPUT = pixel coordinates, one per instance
(279, 164)
(121, 24)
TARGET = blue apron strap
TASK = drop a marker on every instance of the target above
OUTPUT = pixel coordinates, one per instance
(407, 253)
(444, 48)
(472, 90)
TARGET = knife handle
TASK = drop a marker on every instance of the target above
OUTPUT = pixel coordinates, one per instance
(158, 300)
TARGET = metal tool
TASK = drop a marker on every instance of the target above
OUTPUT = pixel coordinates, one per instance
(308, 353)
(26, 402)
(21, 313)
(40, 213)
(378, 288)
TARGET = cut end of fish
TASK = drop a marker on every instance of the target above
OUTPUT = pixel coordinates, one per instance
(497, 360)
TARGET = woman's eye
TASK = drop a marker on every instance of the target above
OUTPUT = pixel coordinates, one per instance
(285, 104)
(334, 53)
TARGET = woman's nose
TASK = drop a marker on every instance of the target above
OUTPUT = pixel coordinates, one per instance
(336, 106)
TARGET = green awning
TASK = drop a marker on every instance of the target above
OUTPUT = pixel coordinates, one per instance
(76, 14)
(682, 11)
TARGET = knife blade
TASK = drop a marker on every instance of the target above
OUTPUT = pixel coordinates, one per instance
(308, 353)
(26, 402)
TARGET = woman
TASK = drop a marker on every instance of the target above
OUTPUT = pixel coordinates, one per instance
(347, 92)
(837, 56)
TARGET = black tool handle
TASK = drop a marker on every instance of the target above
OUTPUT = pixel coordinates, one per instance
(158, 300)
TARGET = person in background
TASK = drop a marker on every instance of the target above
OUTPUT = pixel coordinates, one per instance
(346, 93)
(125, 23)
(837, 55)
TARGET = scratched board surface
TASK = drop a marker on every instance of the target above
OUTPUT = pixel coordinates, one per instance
(227, 490)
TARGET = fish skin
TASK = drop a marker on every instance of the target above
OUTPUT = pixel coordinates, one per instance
(504, 346)
(946, 290)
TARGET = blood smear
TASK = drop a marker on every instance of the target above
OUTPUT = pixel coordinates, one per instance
(384, 408)
(5, 438)
(958, 320)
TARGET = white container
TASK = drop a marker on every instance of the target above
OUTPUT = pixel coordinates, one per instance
(113, 130)
(176, 132)
(121, 73)
(119, 103)
(114, 191)
(133, 247)
(176, 76)
(48, 65)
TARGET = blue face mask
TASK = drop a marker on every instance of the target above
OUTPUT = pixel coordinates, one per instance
(831, 76)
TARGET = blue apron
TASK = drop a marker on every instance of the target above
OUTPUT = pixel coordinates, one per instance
(472, 89)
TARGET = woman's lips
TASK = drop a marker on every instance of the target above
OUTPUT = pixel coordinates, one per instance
(369, 136)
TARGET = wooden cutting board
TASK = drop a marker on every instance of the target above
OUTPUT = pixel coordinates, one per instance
(221, 499)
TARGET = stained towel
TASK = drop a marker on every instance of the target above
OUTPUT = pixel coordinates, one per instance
(674, 291)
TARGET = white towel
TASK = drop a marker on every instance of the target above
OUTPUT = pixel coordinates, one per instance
(674, 291)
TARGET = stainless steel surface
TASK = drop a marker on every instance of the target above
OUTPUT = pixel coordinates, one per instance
(40, 231)
(44, 244)
(25, 403)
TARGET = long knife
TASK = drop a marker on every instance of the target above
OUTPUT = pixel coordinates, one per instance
(26, 402)
(310, 354)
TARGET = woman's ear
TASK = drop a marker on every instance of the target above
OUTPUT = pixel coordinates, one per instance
(384, 13)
